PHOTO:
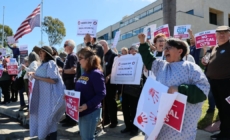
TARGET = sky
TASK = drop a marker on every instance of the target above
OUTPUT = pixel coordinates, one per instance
(107, 12)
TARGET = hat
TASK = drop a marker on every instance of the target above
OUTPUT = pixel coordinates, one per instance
(134, 47)
(63, 55)
(47, 49)
(222, 28)
(54, 49)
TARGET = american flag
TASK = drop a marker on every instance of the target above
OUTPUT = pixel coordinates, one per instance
(33, 20)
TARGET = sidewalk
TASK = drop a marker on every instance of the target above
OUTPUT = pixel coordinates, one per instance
(11, 110)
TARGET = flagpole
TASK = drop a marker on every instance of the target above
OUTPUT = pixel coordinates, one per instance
(3, 28)
(41, 18)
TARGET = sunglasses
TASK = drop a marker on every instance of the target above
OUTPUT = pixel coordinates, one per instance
(65, 45)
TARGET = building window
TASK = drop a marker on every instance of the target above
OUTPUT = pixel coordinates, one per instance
(131, 20)
(126, 23)
(129, 34)
(157, 8)
(137, 18)
(141, 29)
(123, 37)
(106, 36)
(114, 33)
(149, 12)
(213, 18)
(191, 12)
(136, 32)
(143, 15)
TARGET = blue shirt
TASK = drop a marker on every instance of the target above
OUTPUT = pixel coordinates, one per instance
(195, 53)
(15, 51)
(92, 88)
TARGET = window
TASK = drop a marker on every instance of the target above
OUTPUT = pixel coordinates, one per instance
(150, 11)
(141, 29)
(123, 36)
(157, 8)
(191, 12)
(131, 20)
(213, 18)
(114, 33)
(143, 15)
(129, 34)
(136, 32)
(106, 36)
(137, 18)
(126, 23)
(122, 24)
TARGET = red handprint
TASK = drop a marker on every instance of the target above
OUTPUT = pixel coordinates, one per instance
(153, 118)
(142, 119)
(154, 94)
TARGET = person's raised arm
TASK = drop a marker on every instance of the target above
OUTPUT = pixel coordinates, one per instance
(145, 52)
(10, 47)
(191, 34)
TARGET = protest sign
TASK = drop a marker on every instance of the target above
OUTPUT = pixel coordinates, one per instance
(152, 108)
(164, 29)
(23, 52)
(3, 51)
(205, 38)
(11, 40)
(31, 82)
(12, 68)
(87, 27)
(72, 104)
(116, 39)
(149, 32)
(181, 31)
(127, 69)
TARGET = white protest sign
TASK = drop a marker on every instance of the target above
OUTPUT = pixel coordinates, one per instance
(116, 39)
(3, 51)
(205, 38)
(87, 27)
(149, 116)
(11, 40)
(164, 29)
(149, 32)
(72, 104)
(127, 69)
(181, 31)
(23, 48)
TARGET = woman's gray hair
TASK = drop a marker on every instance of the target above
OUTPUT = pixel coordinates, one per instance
(33, 57)
(71, 43)
(188, 47)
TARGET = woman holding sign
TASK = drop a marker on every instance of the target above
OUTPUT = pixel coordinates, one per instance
(47, 104)
(180, 76)
(91, 84)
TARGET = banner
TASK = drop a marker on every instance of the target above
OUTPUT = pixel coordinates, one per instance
(11, 40)
(72, 104)
(23, 52)
(3, 51)
(127, 69)
(205, 38)
(164, 29)
(31, 82)
(149, 32)
(87, 27)
(181, 31)
(116, 39)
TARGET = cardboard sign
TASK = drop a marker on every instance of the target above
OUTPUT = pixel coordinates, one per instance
(3, 51)
(181, 31)
(149, 32)
(205, 38)
(116, 39)
(11, 40)
(175, 117)
(72, 104)
(127, 69)
(12, 69)
(87, 27)
(164, 29)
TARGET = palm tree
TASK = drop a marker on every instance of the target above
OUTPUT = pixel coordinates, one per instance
(169, 14)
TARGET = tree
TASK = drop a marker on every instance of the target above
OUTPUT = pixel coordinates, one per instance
(55, 30)
(7, 32)
(169, 14)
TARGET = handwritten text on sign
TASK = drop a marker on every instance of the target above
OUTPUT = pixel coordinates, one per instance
(72, 104)
(206, 38)
(164, 29)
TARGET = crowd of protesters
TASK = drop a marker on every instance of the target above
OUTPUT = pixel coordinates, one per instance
(173, 62)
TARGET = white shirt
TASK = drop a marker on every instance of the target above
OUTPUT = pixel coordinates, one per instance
(189, 58)
(32, 68)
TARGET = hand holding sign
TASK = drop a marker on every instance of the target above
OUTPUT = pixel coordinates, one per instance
(172, 89)
(82, 108)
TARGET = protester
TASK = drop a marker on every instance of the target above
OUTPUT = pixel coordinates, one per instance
(124, 51)
(110, 104)
(159, 43)
(15, 51)
(92, 87)
(193, 51)
(218, 73)
(182, 76)
(58, 60)
(47, 103)
(5, 82)
(130, 97)
(187, 56)
(68, 74)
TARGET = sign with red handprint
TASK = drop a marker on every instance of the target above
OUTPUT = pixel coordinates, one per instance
(153, 118)
(154, 95)
(142, 119)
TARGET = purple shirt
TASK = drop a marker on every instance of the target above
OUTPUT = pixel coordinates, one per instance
(92, 88)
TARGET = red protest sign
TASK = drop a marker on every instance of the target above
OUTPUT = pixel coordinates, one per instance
(72, 104)
(164, 29)
(12, 69)
(205, 38)
(175, 116)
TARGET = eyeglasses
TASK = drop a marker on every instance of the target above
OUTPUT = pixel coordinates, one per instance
(160, 40)
(167, 47)
(65, 45)
(80, 58)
